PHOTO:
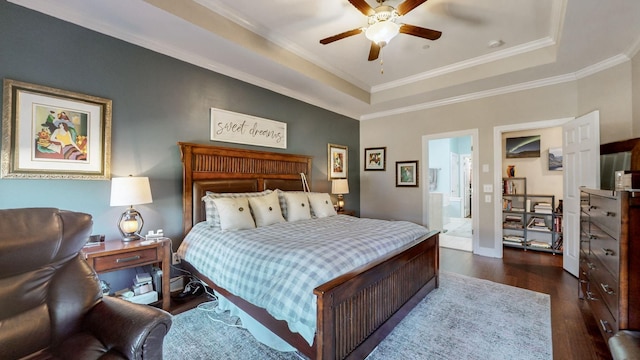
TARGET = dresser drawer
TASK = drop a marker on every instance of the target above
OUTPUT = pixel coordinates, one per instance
(605, 213)
(606, 249)
(607, 288)
(606, 322)
(117, 261)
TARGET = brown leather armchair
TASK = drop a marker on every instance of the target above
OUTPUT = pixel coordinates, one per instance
(51, 304)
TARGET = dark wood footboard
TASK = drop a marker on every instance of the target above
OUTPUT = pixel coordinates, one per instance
(359, 309)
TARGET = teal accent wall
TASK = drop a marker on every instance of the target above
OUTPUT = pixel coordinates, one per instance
(157, 101)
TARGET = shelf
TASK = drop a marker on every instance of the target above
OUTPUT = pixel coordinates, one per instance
(549, 223)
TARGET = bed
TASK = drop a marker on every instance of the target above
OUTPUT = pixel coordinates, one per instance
(355, 310)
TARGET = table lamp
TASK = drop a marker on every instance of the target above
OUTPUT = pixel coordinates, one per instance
(340, 187)
(129, 191)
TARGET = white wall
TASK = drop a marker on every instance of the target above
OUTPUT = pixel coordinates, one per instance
(609, 91)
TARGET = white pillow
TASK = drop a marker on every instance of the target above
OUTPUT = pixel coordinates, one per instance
(234, 213)
(266, 209)
(321, 205)
(297, 206)
(212, 216)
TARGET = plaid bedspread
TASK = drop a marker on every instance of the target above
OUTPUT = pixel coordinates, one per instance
(277, 267)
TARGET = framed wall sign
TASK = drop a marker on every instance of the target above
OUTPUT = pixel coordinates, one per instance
(238, 128)
(49, 133)
(407, 173)
(337, 161)
(375, 159)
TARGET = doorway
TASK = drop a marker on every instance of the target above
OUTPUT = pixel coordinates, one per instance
(449, 191)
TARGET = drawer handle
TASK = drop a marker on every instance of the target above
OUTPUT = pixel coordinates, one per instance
(605, 326)
(591, 297)
(606, 288)
(608, 213)
(132, 258)
(592, 207)
(592, 237)
(608, 251)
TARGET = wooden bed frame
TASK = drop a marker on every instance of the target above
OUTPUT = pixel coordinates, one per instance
(355, 311)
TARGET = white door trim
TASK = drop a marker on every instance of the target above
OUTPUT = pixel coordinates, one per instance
(497, 173)
(475, 177)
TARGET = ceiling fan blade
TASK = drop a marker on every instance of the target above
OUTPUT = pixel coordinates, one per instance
(363, 7)
(374, 52)
(408, 5)
(420, 32)
(340, 36)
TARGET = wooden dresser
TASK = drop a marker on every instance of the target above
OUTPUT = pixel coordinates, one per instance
(610, 258)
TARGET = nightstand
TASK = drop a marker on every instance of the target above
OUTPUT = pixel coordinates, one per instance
(117, 255)
(346, 212)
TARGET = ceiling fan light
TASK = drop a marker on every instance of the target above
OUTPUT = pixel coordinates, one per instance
(382, 32)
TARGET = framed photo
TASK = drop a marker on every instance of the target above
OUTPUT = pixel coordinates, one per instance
(555, 159)
(375, 159)
(337, 161)
(523, 147)
(49, 133)
(407, 173)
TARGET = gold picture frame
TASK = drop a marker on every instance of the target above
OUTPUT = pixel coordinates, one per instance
(48, 133)
(337, 161)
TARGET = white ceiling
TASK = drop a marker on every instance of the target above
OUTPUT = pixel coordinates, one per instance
(275, 44)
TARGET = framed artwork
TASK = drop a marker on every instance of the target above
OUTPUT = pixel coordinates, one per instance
(523, 147)
(375, 159)
(407, 173)
(49, 133)
(337, 161)
(555, 159)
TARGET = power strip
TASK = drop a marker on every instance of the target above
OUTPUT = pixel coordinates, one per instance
(176, 283)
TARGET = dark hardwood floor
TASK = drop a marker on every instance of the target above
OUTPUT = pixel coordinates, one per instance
(574, 330)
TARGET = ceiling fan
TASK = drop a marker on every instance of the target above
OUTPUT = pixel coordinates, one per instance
(383, 26)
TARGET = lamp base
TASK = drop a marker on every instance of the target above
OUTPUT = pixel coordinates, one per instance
(128, 238)
(130, 225)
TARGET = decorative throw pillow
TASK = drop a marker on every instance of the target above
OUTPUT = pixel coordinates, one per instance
(321, 205)
(234, 213)
(297, 206)
(266, 209)
(211, 213)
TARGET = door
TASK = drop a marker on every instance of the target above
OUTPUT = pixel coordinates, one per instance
(581, 153)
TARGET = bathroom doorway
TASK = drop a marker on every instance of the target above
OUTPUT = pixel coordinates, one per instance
(450, 190)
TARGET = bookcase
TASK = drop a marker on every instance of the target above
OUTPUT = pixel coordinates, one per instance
(529, 221)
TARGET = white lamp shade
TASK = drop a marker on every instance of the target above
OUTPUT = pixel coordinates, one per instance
(340, 186)
(382, 32)
(127, 191)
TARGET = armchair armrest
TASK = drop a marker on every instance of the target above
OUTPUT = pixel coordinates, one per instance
(137, 331)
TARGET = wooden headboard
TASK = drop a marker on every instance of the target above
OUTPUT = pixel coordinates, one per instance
(220, 169)
(616, 156)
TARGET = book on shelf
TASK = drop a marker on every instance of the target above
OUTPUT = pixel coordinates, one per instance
(506, 205)
(539, 244)
(558, 244)
(513, 239)
(537, 223)
(509, 187)
(543, 208)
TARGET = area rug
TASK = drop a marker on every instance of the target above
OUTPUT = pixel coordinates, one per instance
(465, 318)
